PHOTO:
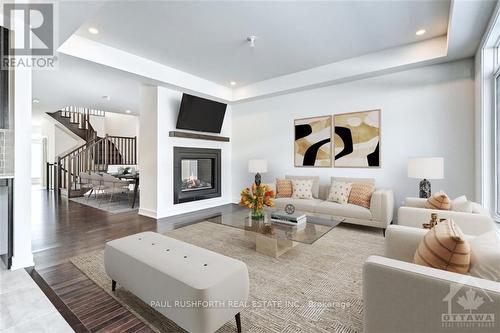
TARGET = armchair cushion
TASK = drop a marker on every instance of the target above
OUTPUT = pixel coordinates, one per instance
(470, 224)
(461, 204)
(485, 256)
(405, 297)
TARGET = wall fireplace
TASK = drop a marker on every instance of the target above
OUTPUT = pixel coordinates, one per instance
(197, 174)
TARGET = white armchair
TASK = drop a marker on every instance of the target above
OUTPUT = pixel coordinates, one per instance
(413, 214)
(400, 296)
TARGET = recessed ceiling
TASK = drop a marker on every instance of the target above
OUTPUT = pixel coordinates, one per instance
(208, 39)
(82, 83)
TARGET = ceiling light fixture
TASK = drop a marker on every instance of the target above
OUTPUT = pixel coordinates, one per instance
(420, 32)
(93, 31)
(232, 83)
(127, 111)
(36, 100)
(251, 40)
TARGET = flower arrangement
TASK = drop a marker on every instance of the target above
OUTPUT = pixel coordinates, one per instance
(256, 198)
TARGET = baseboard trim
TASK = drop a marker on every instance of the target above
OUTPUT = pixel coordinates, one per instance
(148, 213)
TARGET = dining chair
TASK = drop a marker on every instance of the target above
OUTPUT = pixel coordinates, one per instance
(97, 184)
(114, 185)
(86, 182)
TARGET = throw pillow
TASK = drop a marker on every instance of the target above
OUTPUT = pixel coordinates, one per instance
(302, 189)
(339, 192)
(485, 256)
(284, 188)
(461, 204)
(361, 194)
(444, 247)
(438, 200)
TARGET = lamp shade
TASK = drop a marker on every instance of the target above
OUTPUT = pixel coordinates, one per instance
(255, 166)
(426, 168)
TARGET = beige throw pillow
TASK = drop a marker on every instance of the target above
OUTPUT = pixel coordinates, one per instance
(302, 189)
(361, 194)
(438, 200)
(284, 188)
(444, 247)
(339, 192)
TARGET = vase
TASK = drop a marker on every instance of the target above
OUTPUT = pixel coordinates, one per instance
(257, 213)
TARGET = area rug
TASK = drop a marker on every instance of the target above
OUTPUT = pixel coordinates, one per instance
(311, 288)
(120, 204)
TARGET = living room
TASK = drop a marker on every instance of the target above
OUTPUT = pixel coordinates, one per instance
(332, 168)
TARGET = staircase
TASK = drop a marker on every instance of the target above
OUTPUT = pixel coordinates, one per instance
(94, 156)
(77, 121)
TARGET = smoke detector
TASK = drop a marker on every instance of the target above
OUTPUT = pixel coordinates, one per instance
(251, 40)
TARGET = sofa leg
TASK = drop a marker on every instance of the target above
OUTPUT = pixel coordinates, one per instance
(113, 285)
(238, 322)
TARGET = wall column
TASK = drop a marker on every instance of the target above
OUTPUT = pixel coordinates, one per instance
(21, 98)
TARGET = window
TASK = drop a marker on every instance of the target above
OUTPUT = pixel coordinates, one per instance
(497, 143)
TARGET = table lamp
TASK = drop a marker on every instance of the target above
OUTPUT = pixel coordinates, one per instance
(257, 166)
(426, 168)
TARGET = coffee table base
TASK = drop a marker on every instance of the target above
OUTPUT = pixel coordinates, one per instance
(272, 247)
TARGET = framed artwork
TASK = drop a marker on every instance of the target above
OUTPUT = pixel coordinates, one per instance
(357, 139)
(312, 144)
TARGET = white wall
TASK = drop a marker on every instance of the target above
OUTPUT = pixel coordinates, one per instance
(427, 111)
(121, 124)
(63, 142)
(158, 116)
(98, 124)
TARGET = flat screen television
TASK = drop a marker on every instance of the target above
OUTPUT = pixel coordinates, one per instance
(200, 114)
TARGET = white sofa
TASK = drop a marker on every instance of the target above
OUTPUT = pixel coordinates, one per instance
(198, 289)
(378, 215)
(400, 296)
(414, 213)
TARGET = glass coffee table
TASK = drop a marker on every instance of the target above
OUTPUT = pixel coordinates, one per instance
(274, 238)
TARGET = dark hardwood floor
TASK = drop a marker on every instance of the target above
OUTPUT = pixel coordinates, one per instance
(62, 229)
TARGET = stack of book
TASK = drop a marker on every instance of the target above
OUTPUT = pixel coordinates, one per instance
(293, 219)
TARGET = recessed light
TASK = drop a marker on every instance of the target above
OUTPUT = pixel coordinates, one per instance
(36, 100)
(127, 111)
(232, 83)
(420, 32)
(105, 97)
(93, 31)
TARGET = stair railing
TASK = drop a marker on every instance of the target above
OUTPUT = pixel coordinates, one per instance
(95, 156)
(81, 117)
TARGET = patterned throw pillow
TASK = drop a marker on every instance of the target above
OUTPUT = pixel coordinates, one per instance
(444, 247)
(339, 192)
(302, 189)
(438, 200)
(361, 194)
(284, 188)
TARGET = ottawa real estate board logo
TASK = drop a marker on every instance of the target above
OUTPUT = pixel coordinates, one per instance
(469, 307)
(33, 35)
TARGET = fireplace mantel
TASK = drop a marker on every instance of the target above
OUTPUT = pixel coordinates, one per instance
(189, 135)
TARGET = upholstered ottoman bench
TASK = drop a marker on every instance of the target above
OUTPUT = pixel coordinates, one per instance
(198, 289)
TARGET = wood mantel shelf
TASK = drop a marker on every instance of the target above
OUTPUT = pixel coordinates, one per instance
(188, 135)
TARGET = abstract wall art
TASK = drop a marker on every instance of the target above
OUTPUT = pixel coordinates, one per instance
(357, 139)
(313, 142)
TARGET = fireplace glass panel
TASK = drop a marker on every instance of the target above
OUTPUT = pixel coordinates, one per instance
(196, 174)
